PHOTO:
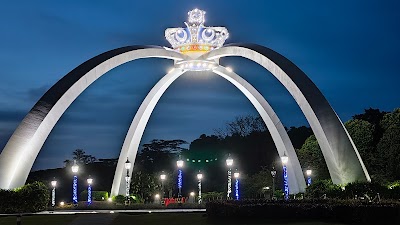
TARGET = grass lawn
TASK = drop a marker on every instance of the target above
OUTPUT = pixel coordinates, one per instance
(140, 219)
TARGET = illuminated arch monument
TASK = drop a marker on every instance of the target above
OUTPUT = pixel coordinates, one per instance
(194, 48)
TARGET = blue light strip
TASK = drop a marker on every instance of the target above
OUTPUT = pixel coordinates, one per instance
(308, 181)
(75, 191)
(179, 178)
(89, 195)
(285, 182)
(237, 189)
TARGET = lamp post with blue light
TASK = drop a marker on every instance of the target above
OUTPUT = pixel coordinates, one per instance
(236, 175)
(285, 160)
(308, 173)
(75, 169)
(89, 190)
(179, 164)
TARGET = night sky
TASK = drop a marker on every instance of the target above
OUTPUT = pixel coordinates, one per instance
(348, 48)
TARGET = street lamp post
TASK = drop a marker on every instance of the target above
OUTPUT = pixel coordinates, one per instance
(192, 196)
(128, 166)
(162, 177)
(308, 172)
(89, 190)
(236, 175)
(53, 193)
(229, 163)
(199, 177)
(75, 169)
(284, 160)
(273, 174)
(179, 164)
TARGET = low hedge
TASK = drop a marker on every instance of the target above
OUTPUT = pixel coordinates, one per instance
(29, 198)
(102, 205)
(350, 211)
(96, 195)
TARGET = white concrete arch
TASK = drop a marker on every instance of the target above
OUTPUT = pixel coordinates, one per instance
(21, 150)
(341, 155)
(281, 139)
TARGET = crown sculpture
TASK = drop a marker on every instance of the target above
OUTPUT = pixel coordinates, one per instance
(196, 39)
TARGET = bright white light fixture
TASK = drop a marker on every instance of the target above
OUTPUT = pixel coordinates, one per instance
(284, 158)
(308, 172)
(229, 69)
(54, 183)
(192, 193)
(75, 167)
(157, 196)
(236, 174)
(128, 164)
(179, 163)
(62, 203)
(163, 176)
(199, 176)
(229, 161)
(89, 180)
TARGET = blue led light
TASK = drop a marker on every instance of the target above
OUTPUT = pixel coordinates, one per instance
(89, 195)
(179, 178)
(308, 181)
(285, 182)
(75, 191)
(237, 189)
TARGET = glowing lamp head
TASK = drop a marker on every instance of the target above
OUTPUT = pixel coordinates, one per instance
(54, 183)
(157, 196)
(308, 172)
(284, 159)
(62, 203)
(163, 176)
(89, 181)
(229, 161)
(109, 199)
(75, 167)
(199, 176)
(179, 163)
(192, 194)
(128, 164)
(273, 172)
(236, 174)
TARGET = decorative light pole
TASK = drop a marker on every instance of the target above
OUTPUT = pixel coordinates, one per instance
(179, 164)
(284, 160)
(199, 177)
(273, 174)
(236, 175)
(75, 169)
(162, 177)
(192, 196)
(128, 166)
(89, 190)
(229, 163)
(53, 192)
(308, 172)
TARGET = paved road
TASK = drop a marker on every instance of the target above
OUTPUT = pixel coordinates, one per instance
(66, 212)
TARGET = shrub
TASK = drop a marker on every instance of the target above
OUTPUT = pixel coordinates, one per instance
(32, 197)
(119, 199)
